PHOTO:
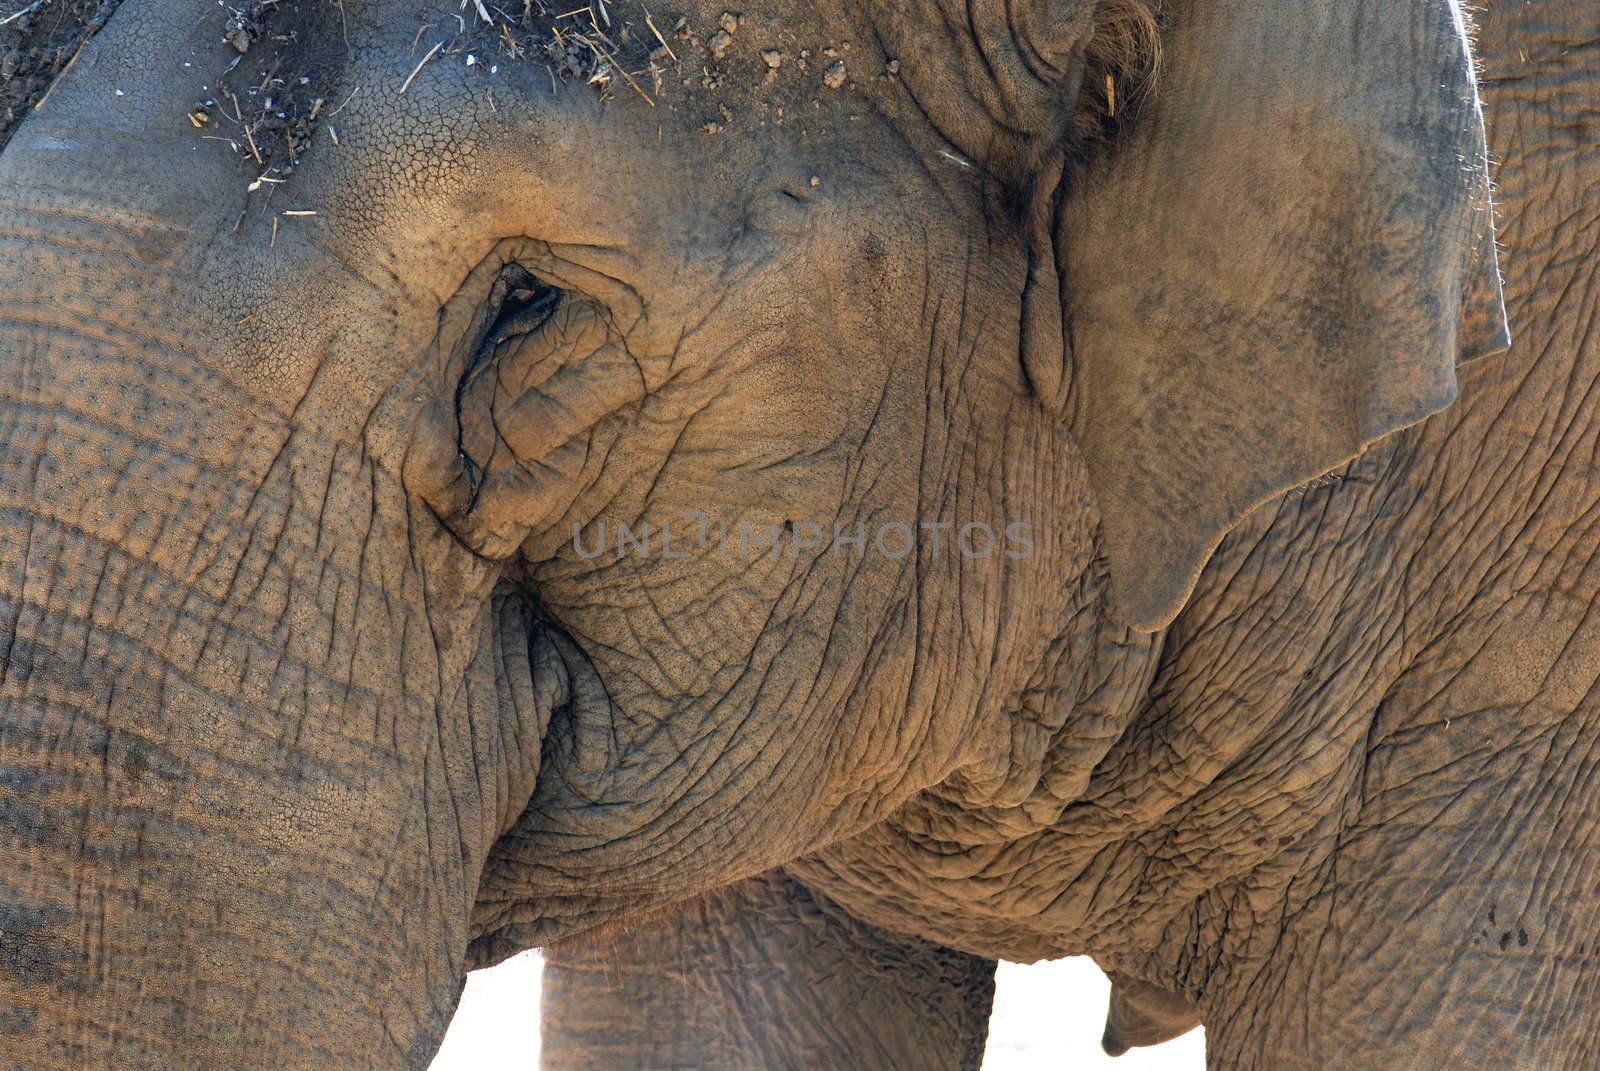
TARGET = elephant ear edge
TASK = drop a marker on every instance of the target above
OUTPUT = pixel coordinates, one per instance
(1281, 261)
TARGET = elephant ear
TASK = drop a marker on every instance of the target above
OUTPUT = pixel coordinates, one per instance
(1281, 259)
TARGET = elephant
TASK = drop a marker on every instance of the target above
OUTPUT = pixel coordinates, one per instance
(784, 508)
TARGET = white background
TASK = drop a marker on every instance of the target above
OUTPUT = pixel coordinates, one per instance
(1046, 1017)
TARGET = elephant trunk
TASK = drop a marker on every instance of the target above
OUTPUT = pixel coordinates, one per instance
(252, 755)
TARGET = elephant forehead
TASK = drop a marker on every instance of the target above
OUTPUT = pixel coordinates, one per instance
(342, 170)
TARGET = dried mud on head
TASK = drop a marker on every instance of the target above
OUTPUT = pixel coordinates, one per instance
(38, 40)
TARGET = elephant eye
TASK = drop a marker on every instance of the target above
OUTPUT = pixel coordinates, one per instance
(522, 304)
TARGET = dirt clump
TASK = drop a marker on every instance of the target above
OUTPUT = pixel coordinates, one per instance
(276, 89)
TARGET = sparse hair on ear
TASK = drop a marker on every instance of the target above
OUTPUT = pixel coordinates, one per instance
(1120, 62)
(1121, 59)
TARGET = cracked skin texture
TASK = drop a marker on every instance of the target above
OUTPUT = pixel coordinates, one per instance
(293, 732)
(302, 715)
(1348, 818)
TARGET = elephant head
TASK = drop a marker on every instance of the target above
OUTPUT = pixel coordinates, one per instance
(469, 478)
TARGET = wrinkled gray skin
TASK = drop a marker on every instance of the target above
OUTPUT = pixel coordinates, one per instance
(1352, 824)
(308, 703)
